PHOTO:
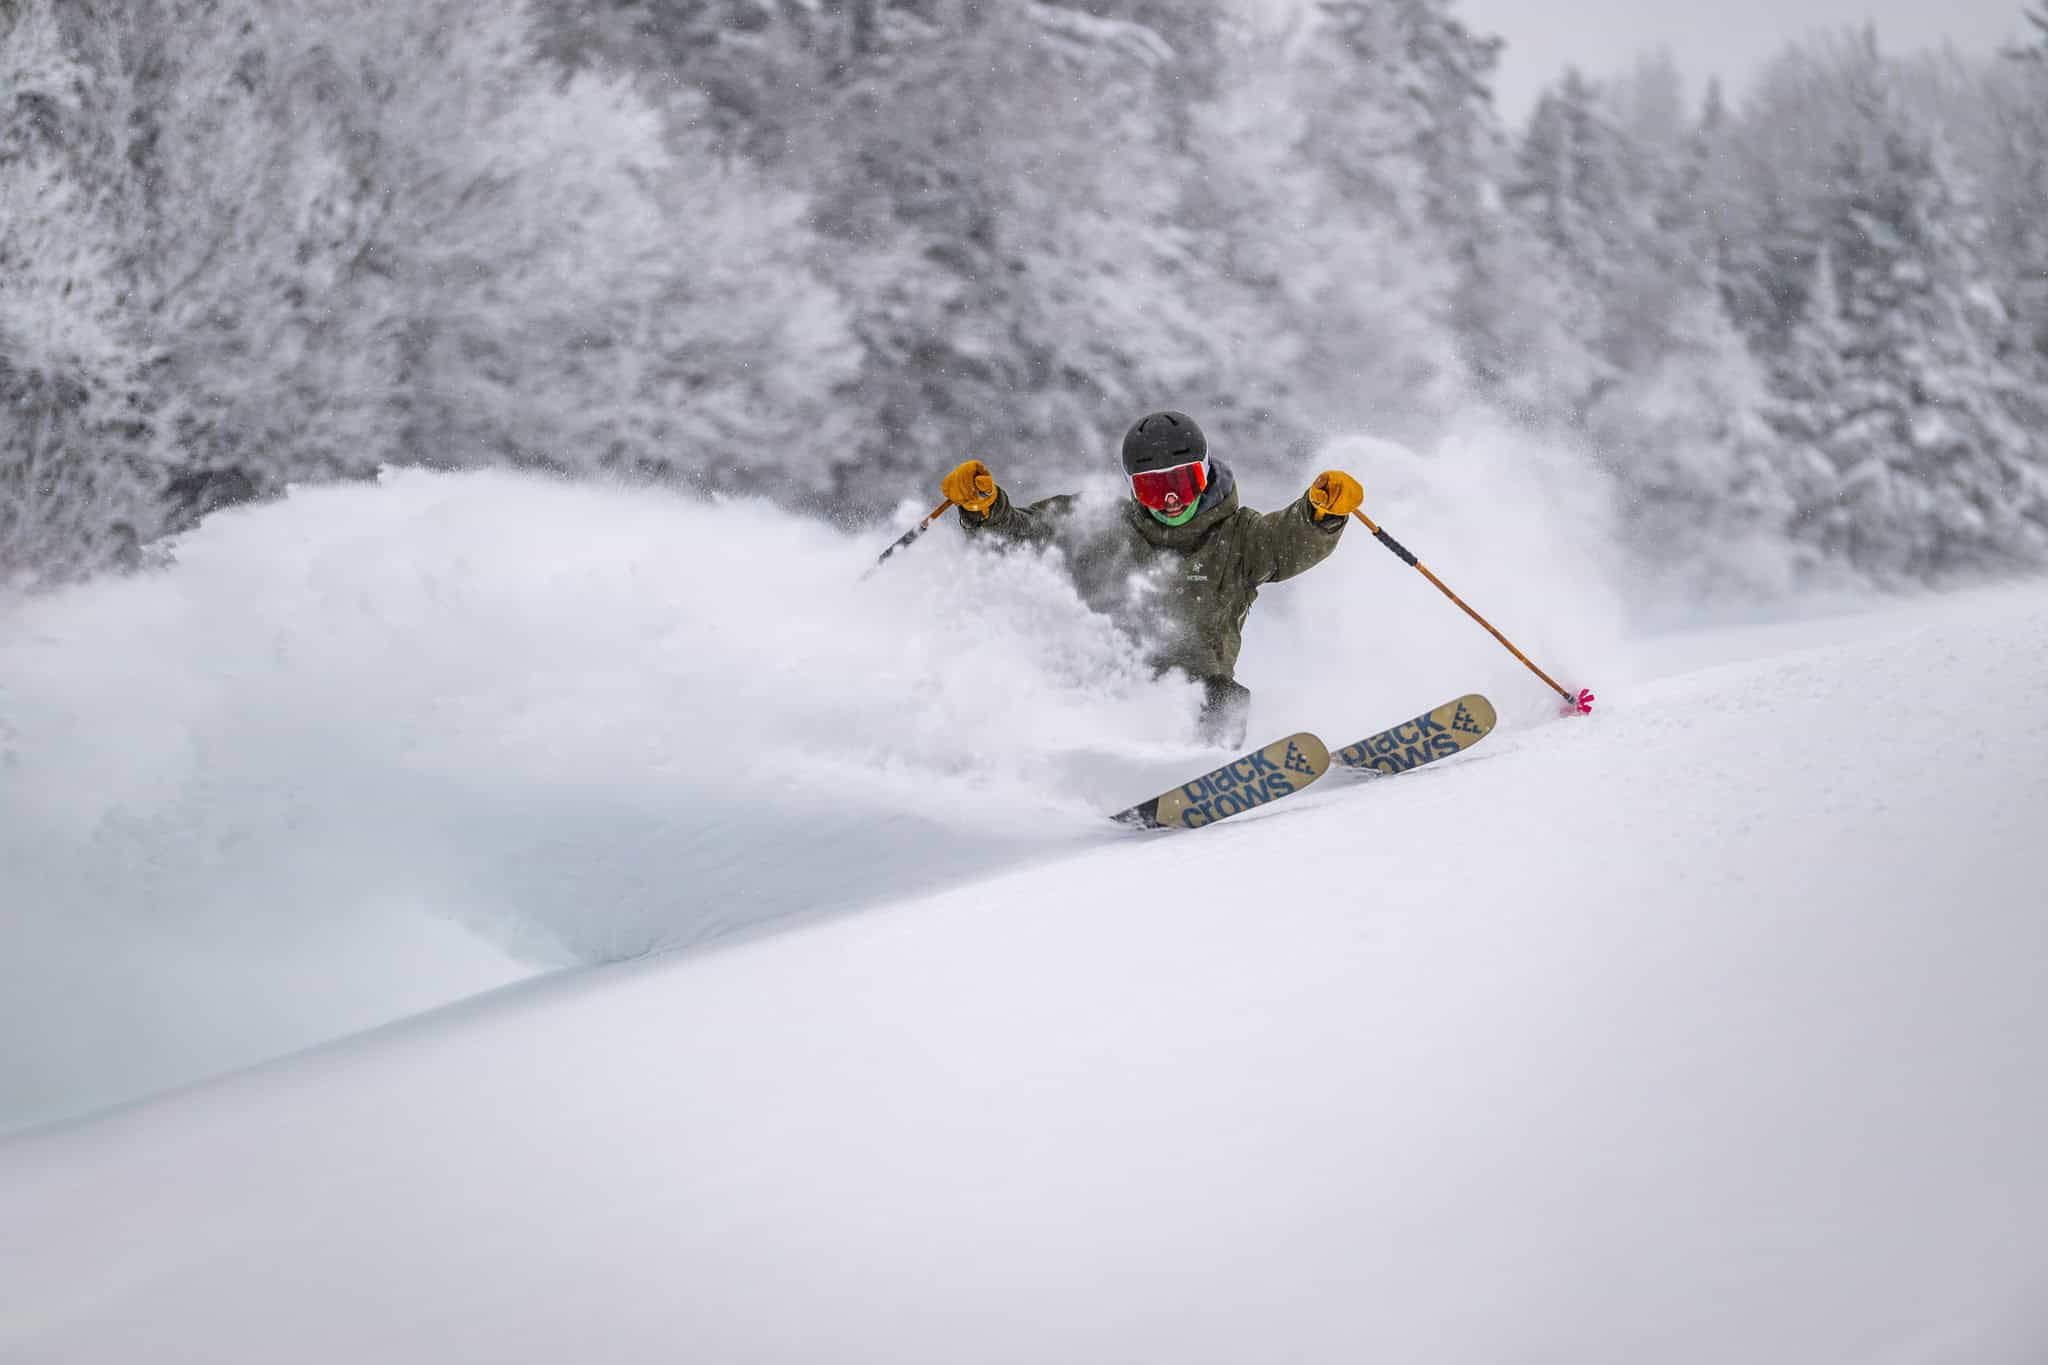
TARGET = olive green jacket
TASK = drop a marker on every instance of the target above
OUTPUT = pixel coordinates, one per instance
(1182, 591)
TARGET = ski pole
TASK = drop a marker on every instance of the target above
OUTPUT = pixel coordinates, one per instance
(1581, 703)
(906, 538)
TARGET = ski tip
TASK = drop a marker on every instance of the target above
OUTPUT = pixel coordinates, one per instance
(1309, 748)
(1255, 779)
(1447, 730)
(1480, 709)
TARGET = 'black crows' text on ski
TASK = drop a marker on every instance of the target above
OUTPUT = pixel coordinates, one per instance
(1285, 766)
(1259, 778)
(1450, 729)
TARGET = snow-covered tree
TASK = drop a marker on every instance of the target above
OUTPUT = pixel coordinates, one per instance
(1624, 190)
(79, 479)
(841, 243)
(1004, 194)
(1340, 320)
(1400, 94)
(452, 257)
(1895, 390)
(1578, 184)
(2014, 180)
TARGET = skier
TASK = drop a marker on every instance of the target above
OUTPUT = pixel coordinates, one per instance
(1179, 565)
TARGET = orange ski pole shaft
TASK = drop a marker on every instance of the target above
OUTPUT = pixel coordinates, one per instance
(907, 537)
(1402, 553)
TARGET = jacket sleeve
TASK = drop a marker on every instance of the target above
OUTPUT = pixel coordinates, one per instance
(1279, 545)
(1037, 524)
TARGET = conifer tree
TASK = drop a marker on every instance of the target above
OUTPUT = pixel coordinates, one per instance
(1629, 199)
(247, 242)
(2015, 187)
(1575, 186)
(1415, 128)
(1894, 389)
(80, 475)
(1005, 197)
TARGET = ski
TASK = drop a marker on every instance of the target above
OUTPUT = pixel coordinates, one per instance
(1259, 778)
(1450, 729)
(1285, 766)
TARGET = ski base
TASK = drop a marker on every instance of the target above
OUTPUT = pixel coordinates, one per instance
(1259, 778)
(1449, 729)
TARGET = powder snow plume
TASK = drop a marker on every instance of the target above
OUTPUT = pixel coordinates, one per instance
(376, 747)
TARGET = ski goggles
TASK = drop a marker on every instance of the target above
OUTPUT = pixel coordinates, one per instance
(1171, 490)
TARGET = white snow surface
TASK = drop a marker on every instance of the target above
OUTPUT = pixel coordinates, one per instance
(377, 748)
(1711, 1028)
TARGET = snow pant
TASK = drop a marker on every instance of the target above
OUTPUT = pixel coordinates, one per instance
(1226, 708)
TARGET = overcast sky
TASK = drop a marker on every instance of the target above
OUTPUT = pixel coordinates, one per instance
(1730, 37)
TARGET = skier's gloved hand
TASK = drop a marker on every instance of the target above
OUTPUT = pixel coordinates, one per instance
(1335, 494)
(971, 487)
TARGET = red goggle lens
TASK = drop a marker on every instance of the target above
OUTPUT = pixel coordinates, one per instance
(1171, 491)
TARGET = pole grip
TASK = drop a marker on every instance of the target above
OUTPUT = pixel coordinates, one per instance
(1401, 552)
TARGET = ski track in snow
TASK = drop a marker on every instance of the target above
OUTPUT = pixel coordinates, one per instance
(1707, 1030)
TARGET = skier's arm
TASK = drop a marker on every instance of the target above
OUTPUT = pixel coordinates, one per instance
(986, 509)
(1302, 534)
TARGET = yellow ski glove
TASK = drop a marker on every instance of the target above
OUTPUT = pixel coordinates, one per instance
(1335, 494)
(971, 487)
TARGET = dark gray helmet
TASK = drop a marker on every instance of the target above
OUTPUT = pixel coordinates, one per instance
(1162, 440)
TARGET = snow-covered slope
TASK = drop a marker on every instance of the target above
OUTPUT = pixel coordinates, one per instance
(374, 749)
(1710, 1029)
